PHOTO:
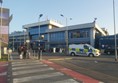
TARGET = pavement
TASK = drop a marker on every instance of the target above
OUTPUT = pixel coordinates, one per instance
(39, 71)
(3, 72)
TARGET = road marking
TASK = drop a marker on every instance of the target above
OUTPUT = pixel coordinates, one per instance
(28, 67)
(101, 82)
(3, 73)
(11, 57)
(4, 64)
(60, 59)
(66, 81)
(22, 73)
(21, 61)
(23, 64)
(36, 77)
(76, 75)
(31, 71)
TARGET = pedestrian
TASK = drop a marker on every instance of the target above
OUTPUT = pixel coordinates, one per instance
(34, 48)
(19, 50)
(39, 51)
(24, 51)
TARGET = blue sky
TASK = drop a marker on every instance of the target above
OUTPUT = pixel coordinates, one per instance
(81, 11)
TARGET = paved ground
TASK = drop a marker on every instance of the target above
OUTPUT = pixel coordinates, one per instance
(35, 71)
(3, 72)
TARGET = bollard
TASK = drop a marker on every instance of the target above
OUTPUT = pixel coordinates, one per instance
(9, 54)
(40, 55)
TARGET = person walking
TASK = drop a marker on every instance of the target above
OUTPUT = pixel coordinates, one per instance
(34, 48)
(24, 51)
(19, 50)
(39, 50)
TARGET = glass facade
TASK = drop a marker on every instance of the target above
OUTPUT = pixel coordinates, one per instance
(35, 31)
(82, 33)
(16, 39)
(57, 37)
(53, 36)
(79, 36)
(34, 37)
(74, 35)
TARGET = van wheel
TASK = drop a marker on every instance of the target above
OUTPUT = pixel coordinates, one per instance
(72, 54)
(91, 55)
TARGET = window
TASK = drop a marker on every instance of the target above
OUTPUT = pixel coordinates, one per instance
(34, 31)
(57, 36)
(73, 49)
(86, 47)
(75, 34)
(35, 37)
(80, 34)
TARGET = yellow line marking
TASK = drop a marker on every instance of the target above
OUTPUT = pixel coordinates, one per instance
(61, 59)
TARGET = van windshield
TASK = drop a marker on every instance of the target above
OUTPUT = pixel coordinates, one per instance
(90, 47)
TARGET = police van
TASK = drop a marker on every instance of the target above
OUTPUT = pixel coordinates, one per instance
(83, 50)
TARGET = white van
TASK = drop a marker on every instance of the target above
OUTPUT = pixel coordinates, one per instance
(83, 50)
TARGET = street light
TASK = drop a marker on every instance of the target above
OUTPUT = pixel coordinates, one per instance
(1, 28)
(66, 33)
(40, 51)
(13, 41)
(39, 25)
(24, 34)
(115, 31)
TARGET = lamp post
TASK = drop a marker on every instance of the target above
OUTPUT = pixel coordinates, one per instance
(66, 34)
(40, 50)
(27, 40)
(24, 35)
(115, 31)
(13, 41)
(1, 29)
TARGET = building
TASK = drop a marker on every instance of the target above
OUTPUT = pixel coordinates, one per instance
(51, 34)
(16, 39)
(4, 23)
(4, 29)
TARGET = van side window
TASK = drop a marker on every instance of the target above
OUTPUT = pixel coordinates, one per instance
(86, 47)
(73, 49)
